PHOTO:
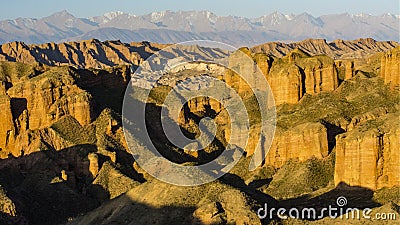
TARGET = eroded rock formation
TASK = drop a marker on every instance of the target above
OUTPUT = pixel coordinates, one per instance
(303, 142)
(290, 77)
(7, 129)
(33, 101)
(297, 74)
(368, 156)
(338, 49)
(390, 67)
(39, 102)
(96, 54)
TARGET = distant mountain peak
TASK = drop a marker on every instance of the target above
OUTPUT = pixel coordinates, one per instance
(170, 26)
(158, 15)
(390, 16)
(362, 15)
(112, 15)
(63, 13)
(290, 16)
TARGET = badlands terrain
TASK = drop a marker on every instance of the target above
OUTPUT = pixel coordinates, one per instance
(64, 158)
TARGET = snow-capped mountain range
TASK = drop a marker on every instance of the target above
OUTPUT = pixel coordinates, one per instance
(172, 27)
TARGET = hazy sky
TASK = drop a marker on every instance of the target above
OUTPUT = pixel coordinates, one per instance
(11, 9)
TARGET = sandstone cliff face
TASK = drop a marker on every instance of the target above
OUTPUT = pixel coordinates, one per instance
(7, 129)
(303, 142)
(346, 67)
(51, 95)
(320, 74)
(390, 67)
(42, 113)
(368, 156)
(290, 77)
(297, 74)
(286, 84)
(34, 141)
(240, 76)
(34, 101)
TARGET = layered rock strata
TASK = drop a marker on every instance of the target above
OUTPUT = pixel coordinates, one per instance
(368, 156)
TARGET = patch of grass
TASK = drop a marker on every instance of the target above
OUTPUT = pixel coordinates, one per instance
(387, 195)
(70, 129)
(298, 178)
(159, 93)
(113, 181)
(11, 71)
